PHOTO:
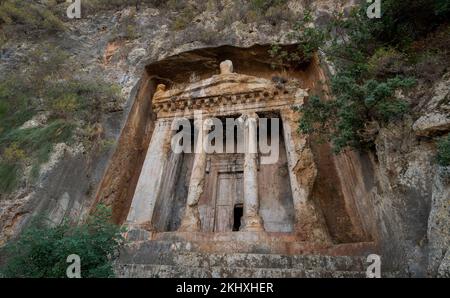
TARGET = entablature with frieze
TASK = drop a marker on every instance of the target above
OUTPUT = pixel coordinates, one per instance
(226, 94)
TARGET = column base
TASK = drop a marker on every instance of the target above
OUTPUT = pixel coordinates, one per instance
(191, 221)
(136, 232)
(253, 224)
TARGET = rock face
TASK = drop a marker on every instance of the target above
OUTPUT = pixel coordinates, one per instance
(438, 232)
(236, 256)
(225, 95)
(394, 202)
(436, 113)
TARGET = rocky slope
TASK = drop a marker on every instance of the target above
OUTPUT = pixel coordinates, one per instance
(101, 45)
(403, 192)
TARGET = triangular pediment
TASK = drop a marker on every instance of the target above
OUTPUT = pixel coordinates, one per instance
(217, 85)
(226, 93)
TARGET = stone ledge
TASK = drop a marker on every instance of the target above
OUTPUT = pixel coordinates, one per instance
(168, 271)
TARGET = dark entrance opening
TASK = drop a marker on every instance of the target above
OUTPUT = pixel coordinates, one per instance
(237, 212)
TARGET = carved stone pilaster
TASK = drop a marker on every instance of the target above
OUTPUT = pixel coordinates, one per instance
(191, 219)
(309, 221)
(150, 179)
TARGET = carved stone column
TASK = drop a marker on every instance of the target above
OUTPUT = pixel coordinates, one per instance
(191, 220)
(252, 221)
(309, 221)
(150, 179)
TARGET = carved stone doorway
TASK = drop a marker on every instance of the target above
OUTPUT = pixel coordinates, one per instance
(224, 190)
(229, 194)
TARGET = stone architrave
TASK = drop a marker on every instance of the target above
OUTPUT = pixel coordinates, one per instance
(309, 221)
(191, 219)
(150, 179)
(252, 221)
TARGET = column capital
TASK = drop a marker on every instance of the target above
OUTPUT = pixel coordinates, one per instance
(226, 67)
(248, 117)
(204, 125)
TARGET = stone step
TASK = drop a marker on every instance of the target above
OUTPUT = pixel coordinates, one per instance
(168, 253)
(171, 271)
(301, 262)
(240, 255)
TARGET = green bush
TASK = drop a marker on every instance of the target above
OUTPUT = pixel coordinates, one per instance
(272, 11)
(309, 40)
(372, 60)
(265, 11)
(79, 98)
(441, 7)
(35, 144)
(41, 251)
(13, 154)
(237, 11)
(38, 140)
(9, 176)
(385, 61)
(47, 63)
(315, 115)
(16, 104)
(443, 156)
(182, 20)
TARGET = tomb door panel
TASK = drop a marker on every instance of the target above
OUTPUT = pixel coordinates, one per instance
(229, 192)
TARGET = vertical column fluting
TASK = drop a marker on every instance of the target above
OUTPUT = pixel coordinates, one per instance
(252, 221)
(191, 219)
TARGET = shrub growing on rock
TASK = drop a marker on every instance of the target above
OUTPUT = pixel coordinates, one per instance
(42, 251)
(30, 14)
(372, 60)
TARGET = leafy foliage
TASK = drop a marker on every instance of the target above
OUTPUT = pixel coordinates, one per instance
(50, 84)
(370, 58)
(79, 98)
(309, 40)
(35, 144)
(256, 11)
(38, 140)
(41, 251)
(185, 16)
